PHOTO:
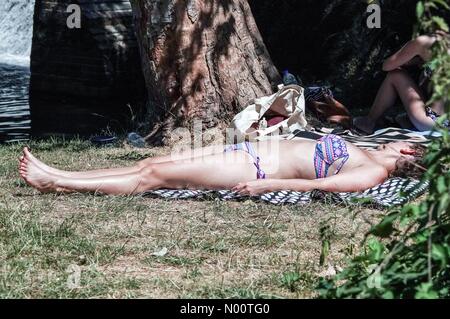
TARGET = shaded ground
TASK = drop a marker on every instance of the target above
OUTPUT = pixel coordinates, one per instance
(215, 249)
(328, 42)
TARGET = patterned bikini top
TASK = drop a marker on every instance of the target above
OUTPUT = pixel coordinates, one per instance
(329, 149)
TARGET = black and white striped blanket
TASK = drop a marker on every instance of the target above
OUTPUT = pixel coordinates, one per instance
(380, 137)
(393, 192)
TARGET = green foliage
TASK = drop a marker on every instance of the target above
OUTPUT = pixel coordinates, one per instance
(290, 279)
(407, 254)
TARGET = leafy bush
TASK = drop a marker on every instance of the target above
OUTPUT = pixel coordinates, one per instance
(407, 254)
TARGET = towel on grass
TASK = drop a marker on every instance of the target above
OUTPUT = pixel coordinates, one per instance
(393, 192)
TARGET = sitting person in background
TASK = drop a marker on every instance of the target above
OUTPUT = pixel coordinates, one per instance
(329, 164)
(400, 83)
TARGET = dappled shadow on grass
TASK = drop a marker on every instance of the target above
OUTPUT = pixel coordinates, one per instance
(39, 251)
(132, 156)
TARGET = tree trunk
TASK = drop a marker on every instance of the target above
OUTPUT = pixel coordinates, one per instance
(202, 60)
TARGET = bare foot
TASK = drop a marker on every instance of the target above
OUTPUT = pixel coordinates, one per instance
(29, 157)
(364, 124)
(36, 177)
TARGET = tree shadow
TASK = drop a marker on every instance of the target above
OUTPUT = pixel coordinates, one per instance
(183, 68)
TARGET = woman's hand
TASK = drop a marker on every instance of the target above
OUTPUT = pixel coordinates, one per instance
(253, 188)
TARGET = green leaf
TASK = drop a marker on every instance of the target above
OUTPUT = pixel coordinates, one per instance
(385, 228)
(388, 295)
(325, 251)
(420, 9)
(440, 253)
(376, 249)
(441, 185)
(425, 291)
(441, 23)
(442, 3)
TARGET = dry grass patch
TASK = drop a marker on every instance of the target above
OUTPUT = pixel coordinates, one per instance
(214, 249)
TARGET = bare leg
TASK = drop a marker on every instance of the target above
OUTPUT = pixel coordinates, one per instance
(113, 184)
(385, 99)
(219, 171)
(413, 101)
(29, 157)
(397, 83)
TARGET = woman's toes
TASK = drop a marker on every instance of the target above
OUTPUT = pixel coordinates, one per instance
(26, 152)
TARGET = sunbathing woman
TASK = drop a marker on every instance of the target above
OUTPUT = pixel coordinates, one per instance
(399, 82)
(330, 164)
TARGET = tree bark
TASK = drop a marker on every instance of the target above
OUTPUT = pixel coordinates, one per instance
(202, 59)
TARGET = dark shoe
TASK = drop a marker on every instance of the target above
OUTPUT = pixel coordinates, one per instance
(136, 140)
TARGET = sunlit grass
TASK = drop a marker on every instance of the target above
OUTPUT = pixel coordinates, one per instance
(214, 249)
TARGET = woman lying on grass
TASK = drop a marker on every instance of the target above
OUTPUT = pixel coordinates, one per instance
(329, 164)
(414, 91)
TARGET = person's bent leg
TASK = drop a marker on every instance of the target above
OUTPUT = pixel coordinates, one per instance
(386, 97)
(413, 101)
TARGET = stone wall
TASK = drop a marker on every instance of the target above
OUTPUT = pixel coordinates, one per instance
(84, 79)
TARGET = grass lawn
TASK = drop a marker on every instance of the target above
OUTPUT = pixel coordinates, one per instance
(91, 246)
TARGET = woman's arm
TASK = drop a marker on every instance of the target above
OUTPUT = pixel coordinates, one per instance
(417, 47)
(358, 179)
